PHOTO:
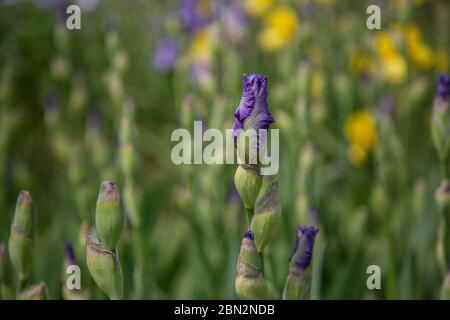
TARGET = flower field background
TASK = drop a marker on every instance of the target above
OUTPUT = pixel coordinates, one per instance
(353, 106)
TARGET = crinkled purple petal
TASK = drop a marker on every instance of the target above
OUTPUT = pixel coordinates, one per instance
(304, 245)
(252, 111)
(443, 86)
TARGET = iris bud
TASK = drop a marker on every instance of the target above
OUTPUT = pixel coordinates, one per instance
(440, 124)
(35, 292)
(20, 244)
(108, 215)
(104, 266)
(250, 283)
(248, 182)
(298, 281)
(267, 213)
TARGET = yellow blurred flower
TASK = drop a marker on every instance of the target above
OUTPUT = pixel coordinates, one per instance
(360, 131)
(357, 155)
(421, 56)
(385, 45)
(394, 69)
(257, 8)
(201, 48)
(281, 26)
(441, 60)
(393, 64)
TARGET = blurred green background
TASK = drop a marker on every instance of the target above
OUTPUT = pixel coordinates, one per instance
(78, 107)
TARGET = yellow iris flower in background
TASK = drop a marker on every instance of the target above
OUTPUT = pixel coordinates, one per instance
(256, 8)
(281, 26)
(360, 131)
(201, 48)
(393, 64)
(420, 55)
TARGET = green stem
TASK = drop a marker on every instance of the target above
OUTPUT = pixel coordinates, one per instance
(249, 212)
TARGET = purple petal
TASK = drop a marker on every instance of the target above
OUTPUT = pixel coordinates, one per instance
(253, 111)
(443, 86)
(304, 245)
(165, 55)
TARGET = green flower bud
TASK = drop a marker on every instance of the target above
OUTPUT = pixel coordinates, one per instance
(297, 284)
(20, 244)
(23, 215)
(250, 283)
(20, 248)
(35, 292)
(248, 182)
(104, 266)
(298, 281)
(267, 213)
(440, 127)
(108, 215)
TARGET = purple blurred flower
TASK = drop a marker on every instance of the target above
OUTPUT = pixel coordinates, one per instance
(190, 15)
(234, 22)
(165, 55)
(303, 250)
(252, 112)
(443, 86)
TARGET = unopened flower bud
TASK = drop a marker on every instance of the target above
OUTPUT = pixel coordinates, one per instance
(440, 124)
(35, 292)
(267, 212)
(20, 243)
(248, 182)
(109, 215)
(250, 283)
(298, 281)
(104, 266)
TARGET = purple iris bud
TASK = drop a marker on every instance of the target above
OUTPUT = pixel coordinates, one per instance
(443, 86)
(249, 235)
(190, 16)
(252, 112)
(165, 55)
(69, 253)
(303, 249)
